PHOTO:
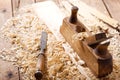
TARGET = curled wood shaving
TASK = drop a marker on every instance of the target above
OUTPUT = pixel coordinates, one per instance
(80, 36)
(24, 32)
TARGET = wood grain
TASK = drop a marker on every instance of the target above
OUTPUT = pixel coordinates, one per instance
(25, 2)
(8, 71)
(100, 65)
(97, 4)
(114, 23)
(16, 4)
(52, 20)
(40, 0)
(114, 8)
(5, 11)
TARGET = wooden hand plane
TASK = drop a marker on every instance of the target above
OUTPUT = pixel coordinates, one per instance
(93, 49)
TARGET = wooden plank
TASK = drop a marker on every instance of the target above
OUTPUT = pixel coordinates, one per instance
(8, 71)
(15, 6)
(114, 8)
(96, 13)
(97, 4)
(20, 3)
(54, 22)
(39, 0)
(57, 1)
(25, 2)
(5, 11)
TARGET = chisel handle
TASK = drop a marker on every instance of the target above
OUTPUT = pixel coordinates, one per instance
(40, 66)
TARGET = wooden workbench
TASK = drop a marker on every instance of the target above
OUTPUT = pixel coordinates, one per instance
(8, 9)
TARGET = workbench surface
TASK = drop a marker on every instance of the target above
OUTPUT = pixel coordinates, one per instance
(9, 8)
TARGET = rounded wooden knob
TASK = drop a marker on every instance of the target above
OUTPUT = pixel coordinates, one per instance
(73, 17)
(101, 49)
(38, 75)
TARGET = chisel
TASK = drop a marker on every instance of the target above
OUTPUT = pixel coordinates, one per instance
(41, 57)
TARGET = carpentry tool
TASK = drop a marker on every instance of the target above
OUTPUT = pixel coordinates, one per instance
(92, 49)
(41, 57)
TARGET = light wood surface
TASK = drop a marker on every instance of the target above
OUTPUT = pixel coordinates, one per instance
(113, 8)
(108, 7)
(5, 11)
(85, 52)
(97, 4)
(8, 71)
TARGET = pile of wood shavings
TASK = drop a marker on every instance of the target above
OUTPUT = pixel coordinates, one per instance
(24, 32)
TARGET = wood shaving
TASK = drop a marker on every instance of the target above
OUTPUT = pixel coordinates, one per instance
(24, 32)
(80, 36)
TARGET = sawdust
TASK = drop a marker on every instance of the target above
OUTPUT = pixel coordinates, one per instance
(24, 32)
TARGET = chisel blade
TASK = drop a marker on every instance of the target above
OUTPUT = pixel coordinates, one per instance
(43, 40)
